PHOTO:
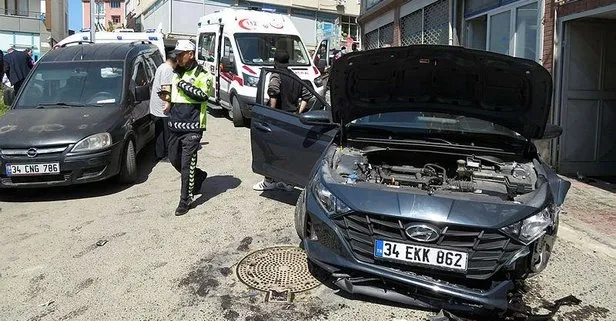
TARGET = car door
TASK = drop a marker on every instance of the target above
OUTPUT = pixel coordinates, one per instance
(206, 54)
(140, 110)
(284, 148)
(321, 57)
(228, 71)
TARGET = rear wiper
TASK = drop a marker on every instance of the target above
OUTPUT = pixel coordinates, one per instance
(65, 105)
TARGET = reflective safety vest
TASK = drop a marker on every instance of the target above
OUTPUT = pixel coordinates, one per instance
(188, 114)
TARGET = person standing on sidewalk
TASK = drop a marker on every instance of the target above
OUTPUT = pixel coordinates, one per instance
(18, 67)
(159, 108)
(285, 93)
(191, 86)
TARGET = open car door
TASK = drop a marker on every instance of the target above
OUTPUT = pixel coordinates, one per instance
(283, 147)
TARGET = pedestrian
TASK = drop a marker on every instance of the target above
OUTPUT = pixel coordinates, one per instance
(285, 93)
(1, 64)
(159, 108)
(354, 47)
(18, 67)
(191, 86)
(30, 53)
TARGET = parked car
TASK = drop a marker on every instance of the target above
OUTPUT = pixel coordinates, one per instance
(422, 182)
(81, 116)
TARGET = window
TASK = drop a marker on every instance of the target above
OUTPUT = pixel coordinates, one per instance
(140, 76)
(381, 37)
(349, 27)
(291, 96)
(99, 9)
(115, 4)
(500, 33)
(527, 26)
(227, 52)
(80, 83)
(513, 31)
(207, 47)
(428, 25)
(115, 20)
(259, 49)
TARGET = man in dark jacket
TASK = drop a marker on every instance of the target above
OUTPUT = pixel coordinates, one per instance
(18, 63)
(1, 65)
(191, 86)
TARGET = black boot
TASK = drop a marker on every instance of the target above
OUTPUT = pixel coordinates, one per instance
(182, 208)
(200, 176)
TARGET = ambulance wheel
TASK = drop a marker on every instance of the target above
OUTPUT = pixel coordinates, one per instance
(236, 114)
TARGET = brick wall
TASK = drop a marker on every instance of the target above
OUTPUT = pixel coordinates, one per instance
(554, 10)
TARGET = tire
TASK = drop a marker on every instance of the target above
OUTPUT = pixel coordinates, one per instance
(300, 216)
(128, 169)
(236, 114)
(9, 95)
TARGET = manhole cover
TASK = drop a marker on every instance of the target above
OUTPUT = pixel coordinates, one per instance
(277, 268)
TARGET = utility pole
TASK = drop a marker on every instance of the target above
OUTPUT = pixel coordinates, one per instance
(92, 23)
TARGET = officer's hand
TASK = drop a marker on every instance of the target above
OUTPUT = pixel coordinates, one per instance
(167, 107)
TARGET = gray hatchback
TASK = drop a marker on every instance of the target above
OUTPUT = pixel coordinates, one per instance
(422, 183)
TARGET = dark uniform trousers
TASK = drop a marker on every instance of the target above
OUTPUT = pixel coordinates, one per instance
(183, 147)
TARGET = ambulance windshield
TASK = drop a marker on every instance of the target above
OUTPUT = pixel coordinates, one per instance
(259, 49)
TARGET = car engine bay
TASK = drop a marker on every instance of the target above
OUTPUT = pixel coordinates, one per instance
(485, 175)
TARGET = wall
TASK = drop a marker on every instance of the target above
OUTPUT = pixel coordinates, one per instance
(552, 12)
(22, 31)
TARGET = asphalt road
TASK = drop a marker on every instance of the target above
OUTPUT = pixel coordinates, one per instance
(156, 266)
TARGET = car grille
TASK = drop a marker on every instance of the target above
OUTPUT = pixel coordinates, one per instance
(25, 180)
(41, 152)
(488, 250)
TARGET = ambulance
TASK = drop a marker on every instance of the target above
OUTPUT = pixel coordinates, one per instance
(235, 43)
(120, 35)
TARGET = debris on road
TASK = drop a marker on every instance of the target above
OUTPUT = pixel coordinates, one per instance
(101, 242)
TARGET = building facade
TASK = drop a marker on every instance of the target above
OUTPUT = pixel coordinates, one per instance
(315, 19)
(32, 24)
(108, 14)
(574, 39)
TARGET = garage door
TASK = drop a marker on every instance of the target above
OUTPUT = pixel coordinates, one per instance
(588, 144)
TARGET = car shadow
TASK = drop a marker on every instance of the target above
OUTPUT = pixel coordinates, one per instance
(146, 161)
(606, 183)
(217, 112)
(289, 198)
(216, 185)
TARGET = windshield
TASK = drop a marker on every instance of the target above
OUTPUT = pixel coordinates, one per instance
(431, 122)
(68, 84)
(259, 49)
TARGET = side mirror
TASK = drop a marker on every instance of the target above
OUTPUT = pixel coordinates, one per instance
(552, 131)
(9, 96)
(316, 117)
(142, 93)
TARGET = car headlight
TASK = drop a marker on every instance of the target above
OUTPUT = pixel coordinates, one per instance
(92, 143)
(330, 203)
(251, 80)
(532, 228)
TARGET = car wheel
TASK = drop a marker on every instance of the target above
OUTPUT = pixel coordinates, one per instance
(236, 113)
(128, 171)
(300, 215)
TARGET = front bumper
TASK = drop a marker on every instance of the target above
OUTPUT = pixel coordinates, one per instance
(74, 169)
(335, 249)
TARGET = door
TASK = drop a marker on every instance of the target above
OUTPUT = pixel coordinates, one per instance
(228, 71)
(321, 57)
(284, 148)
(588, 106)
(206, 54)
(140, 111)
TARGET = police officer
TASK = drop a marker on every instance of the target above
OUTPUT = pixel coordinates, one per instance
(191, 86)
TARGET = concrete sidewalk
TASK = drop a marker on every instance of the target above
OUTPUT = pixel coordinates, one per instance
(590, 208)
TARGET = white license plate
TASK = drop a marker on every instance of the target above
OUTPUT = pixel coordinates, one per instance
(32, 169)
(422, 255)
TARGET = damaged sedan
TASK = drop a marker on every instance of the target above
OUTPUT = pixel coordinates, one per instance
(422, 184)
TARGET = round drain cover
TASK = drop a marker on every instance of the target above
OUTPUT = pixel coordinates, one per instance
(277, 268)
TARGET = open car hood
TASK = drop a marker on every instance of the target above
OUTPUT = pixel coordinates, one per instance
(511, 92)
